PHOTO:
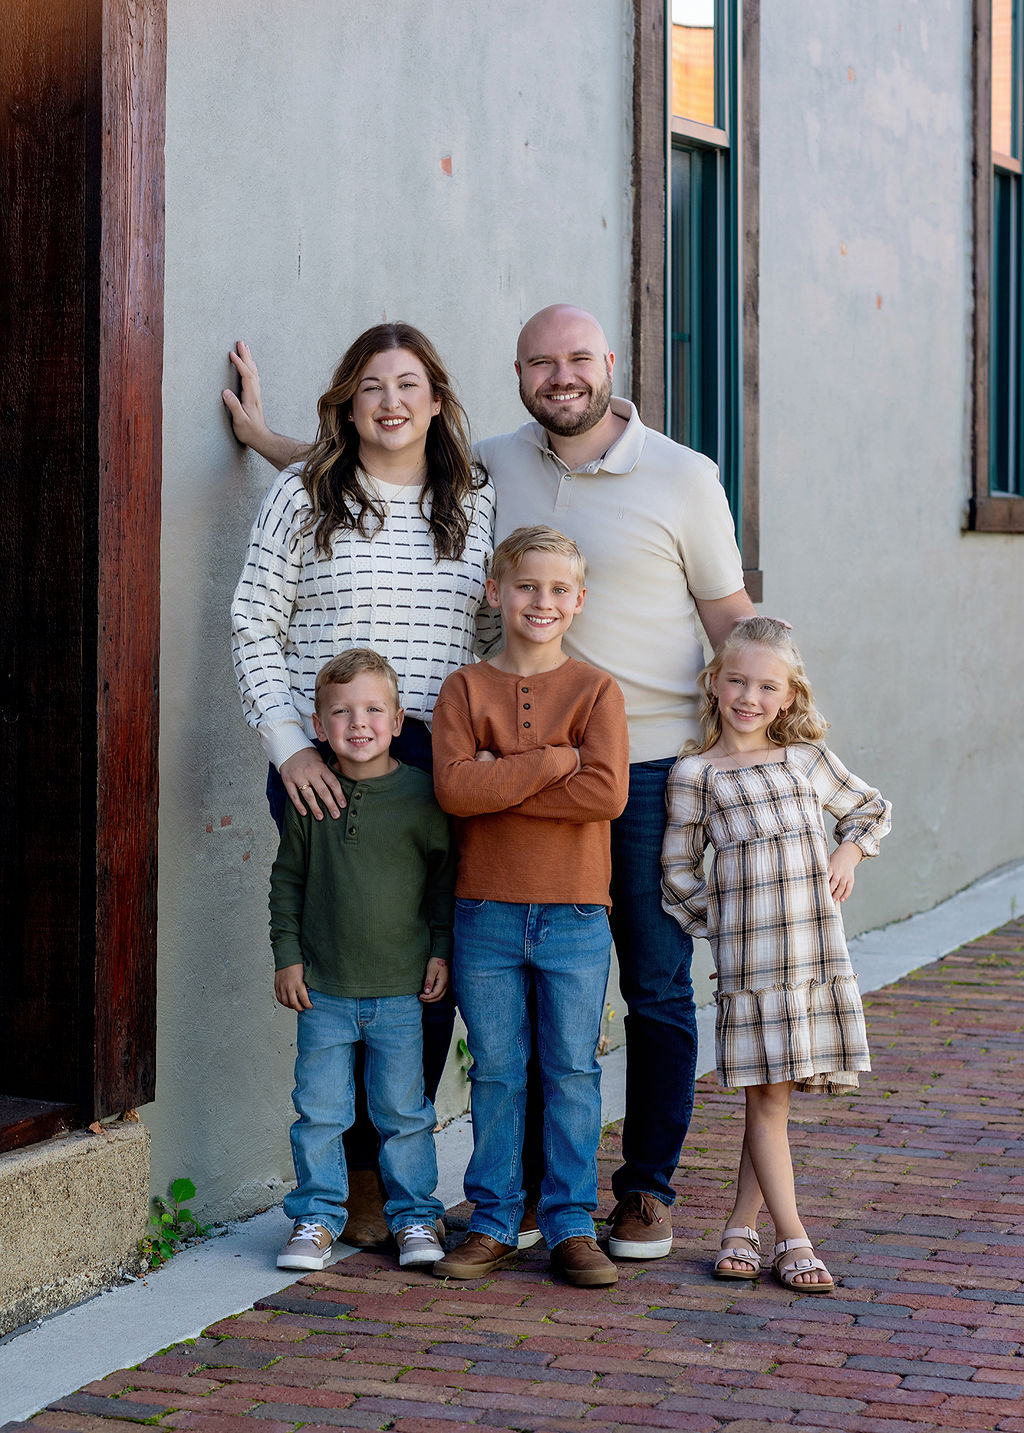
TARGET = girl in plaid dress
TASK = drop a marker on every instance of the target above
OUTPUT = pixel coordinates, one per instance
(754, 788)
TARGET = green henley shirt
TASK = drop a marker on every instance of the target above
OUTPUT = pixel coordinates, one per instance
(363, 902)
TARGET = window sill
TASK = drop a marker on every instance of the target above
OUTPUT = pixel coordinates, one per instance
(996, 514)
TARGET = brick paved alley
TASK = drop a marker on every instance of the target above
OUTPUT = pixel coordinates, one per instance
(914, 1189)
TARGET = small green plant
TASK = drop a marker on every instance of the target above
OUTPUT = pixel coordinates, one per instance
(171, 1224)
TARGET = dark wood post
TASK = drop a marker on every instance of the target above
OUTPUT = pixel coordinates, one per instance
(81, 228)
(650, 154)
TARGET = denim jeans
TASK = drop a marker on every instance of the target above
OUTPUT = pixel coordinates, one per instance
(411, 746)
(391, 1030)
(654, 972)
(500, 948)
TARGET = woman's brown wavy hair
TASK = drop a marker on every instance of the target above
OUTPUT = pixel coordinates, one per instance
(331, 472)
(799, 722)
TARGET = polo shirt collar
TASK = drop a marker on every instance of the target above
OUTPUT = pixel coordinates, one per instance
(621, 457)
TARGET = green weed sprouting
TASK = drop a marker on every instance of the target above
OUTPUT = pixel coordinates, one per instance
(171, 1224)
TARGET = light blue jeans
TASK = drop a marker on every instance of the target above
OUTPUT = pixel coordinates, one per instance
(391, 1029)
(563, 950)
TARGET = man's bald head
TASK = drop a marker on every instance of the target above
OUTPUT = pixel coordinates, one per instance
(565, 370)
(559, 324)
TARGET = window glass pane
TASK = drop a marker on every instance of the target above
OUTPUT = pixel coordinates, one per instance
(704, 395)
(693, 60)
(1004, 448)
(696, 356)
(1004, 118)
(684, 364)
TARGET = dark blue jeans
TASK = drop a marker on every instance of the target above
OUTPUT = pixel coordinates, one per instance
(362, 1142)
(654, 975)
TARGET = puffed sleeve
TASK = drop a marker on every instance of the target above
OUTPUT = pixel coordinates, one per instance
(261, 613)
(684, 892)
(488, 636)
(862, 813)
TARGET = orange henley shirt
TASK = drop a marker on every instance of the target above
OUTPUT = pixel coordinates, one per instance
(531, 828)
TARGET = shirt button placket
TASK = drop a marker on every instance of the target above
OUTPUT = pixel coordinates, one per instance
(351, 816)
(563, 498)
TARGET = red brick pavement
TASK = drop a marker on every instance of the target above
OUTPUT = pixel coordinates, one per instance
(914, 1187)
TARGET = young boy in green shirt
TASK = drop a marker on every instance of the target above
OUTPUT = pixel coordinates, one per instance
(361, 927)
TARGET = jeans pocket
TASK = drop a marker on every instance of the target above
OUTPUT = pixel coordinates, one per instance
(588, 912)
(461, 904)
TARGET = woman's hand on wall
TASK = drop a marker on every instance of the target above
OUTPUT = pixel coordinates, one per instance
(247, 417)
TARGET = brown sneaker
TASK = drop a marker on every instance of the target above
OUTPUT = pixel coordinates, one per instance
(477, 1256)
(529, 1230)
(579, 1261)
(366, 1226)
(641, 1228)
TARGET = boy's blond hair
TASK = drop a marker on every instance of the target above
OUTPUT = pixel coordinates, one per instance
(508, 555)
(351, 664)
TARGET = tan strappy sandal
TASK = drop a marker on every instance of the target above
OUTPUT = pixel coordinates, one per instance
(750, 1256)
(786, 1272)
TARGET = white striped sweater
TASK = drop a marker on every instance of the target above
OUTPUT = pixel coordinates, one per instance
(294, 609)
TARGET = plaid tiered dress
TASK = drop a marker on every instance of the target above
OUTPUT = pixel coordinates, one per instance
(788, 1003)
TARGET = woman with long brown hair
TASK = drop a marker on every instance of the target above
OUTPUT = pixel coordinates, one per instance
(378, 536)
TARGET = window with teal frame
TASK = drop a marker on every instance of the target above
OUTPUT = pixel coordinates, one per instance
(1006, 350)
(997, 497)
(705, 353)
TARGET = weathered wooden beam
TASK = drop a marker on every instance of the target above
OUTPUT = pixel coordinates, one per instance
(81, 231)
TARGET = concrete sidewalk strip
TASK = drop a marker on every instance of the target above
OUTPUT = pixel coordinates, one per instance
(913, 1190)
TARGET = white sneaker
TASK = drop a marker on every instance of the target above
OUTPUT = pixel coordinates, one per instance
(418, 1244)
(309, 1246)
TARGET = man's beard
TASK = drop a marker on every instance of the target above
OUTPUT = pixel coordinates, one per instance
(568, 425)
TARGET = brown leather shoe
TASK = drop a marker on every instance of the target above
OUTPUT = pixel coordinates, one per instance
(579, 1261)
(477, 1256)
(529, 1230)
(641, 1228)
(366, 1226)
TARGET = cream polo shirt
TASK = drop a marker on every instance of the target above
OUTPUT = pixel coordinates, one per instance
(652, 520)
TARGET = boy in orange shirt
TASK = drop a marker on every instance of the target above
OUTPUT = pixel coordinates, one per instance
(531, 757)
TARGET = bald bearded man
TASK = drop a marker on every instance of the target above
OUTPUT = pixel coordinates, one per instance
(652, 520)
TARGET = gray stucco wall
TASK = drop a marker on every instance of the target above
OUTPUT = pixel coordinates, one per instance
(911, 627)
(306, 199)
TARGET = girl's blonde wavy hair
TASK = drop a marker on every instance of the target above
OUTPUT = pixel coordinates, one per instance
(331, 472)
(799, 722)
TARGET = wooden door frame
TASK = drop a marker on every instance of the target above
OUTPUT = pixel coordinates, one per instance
(81, 150)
